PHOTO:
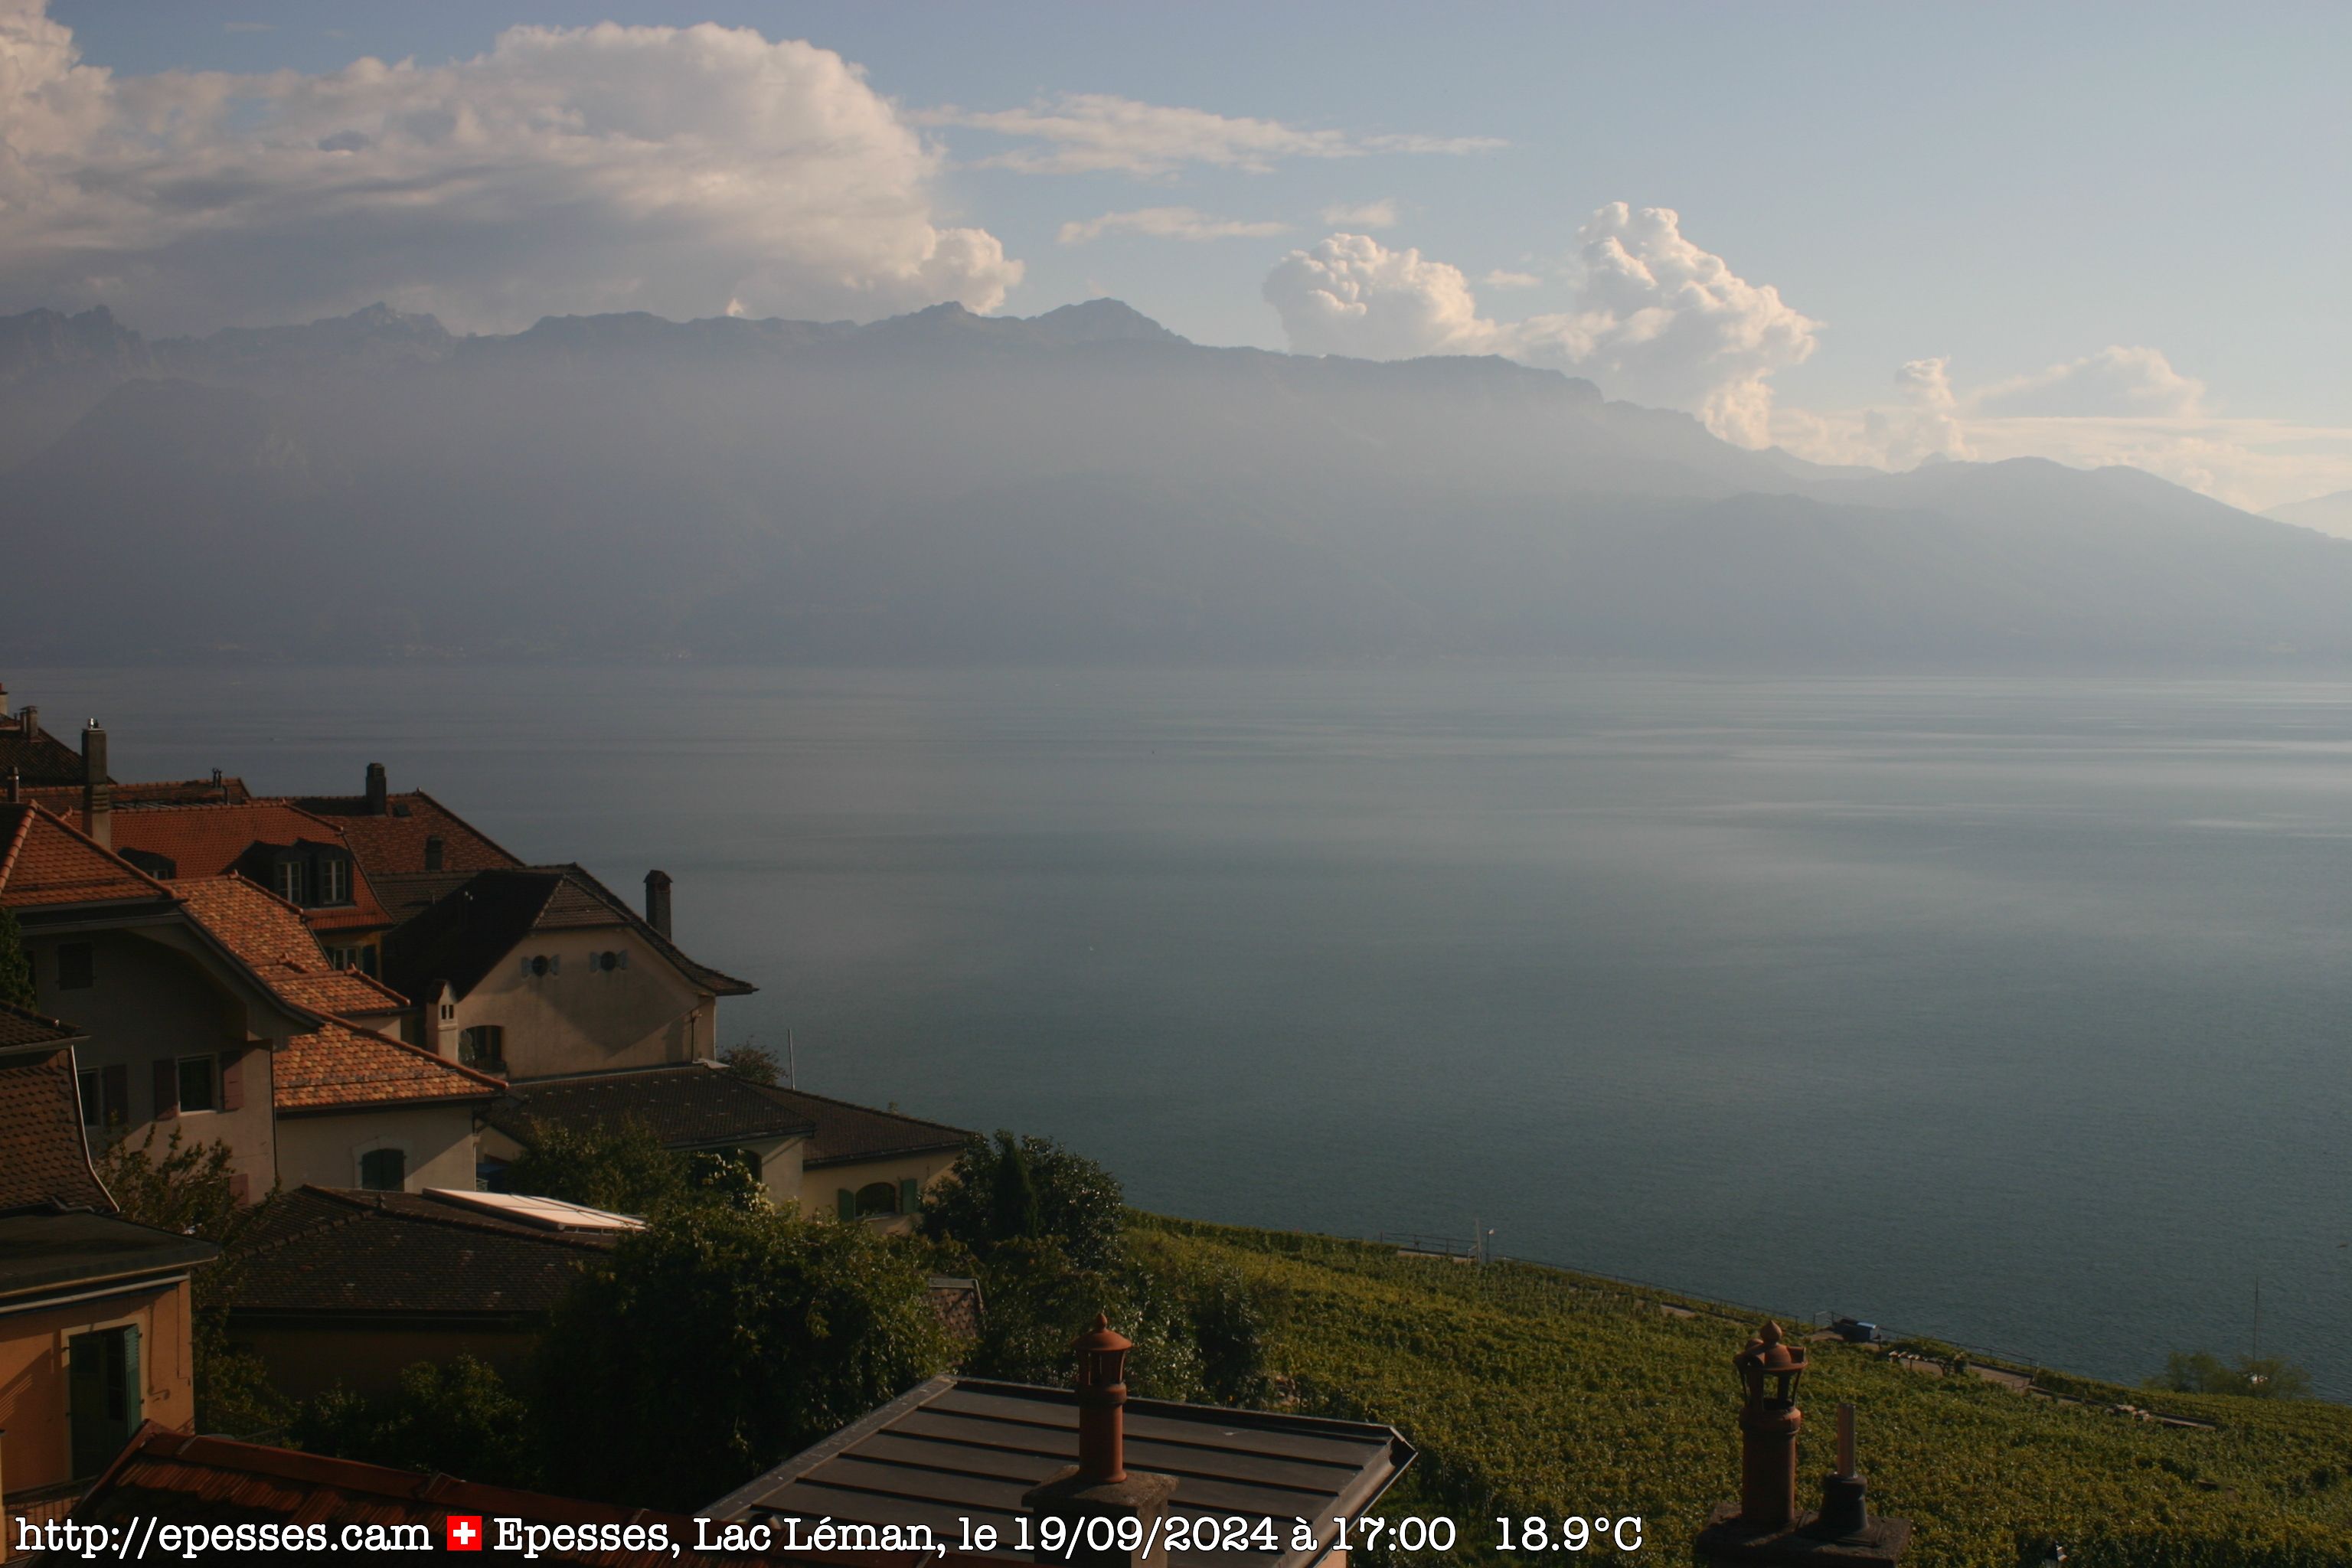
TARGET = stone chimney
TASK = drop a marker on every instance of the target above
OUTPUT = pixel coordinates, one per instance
(377, 802)
(432, 851)
(96, 789)
(658, 902)
(1100, 1486)
(29, 719)
(1765, 1525)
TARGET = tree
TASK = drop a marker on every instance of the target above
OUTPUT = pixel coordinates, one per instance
(719, 1340)
(15, 963)
(748, 1061)
(619, 1166)
(1028, 1189)
(455, 1420)
(2202, 1371)
(190, 1188)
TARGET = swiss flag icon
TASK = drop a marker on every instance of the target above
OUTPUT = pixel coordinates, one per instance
(465, 1533)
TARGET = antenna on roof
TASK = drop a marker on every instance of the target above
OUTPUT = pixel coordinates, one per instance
(792, 1072)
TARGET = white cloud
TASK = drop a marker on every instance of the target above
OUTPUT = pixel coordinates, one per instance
(1362, 216)
(2114, 381)
(1502, 279)
(1657, 320)
(1166, 223)
(2129, 407)
(1091, 132)
(567, 169)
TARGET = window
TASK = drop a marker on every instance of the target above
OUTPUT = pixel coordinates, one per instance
(334, 882)
(540, 966)
(76, 966)
(93, 1101)
(483, 1047)
(877, 1198)
(609, 959)
(289, 880)
(103, 1401)
(197, 1084)
(383, 1169)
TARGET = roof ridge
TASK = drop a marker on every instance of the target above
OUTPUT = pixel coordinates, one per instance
(870, 1109)
(17, 839)
(93, 844)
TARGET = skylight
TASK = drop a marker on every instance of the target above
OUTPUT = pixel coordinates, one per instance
(548, 1214)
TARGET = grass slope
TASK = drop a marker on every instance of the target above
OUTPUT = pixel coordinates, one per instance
(1533, 1391)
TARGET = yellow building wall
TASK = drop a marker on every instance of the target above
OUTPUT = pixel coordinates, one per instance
(37, 1450)
(582, 1018)
(820, 1188)
(325, 1150)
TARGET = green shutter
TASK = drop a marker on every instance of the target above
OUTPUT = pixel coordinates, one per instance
(910, 1195)
(134, 1392)
(848, 1204)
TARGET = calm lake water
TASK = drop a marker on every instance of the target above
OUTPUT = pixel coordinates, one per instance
(2017, 1011)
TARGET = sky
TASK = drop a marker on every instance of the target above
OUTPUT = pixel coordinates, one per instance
(1876, 233)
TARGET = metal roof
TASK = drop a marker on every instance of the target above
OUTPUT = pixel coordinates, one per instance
(960, 1448)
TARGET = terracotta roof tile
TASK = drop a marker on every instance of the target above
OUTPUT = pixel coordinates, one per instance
(64, 799)
(43, 1157)
(38, 759)
(393, 843)
(344, 1065)
(341, 1064)
(470, 931)
(212, 840)
(689, 1107)
(45, 862)
(21, 1028)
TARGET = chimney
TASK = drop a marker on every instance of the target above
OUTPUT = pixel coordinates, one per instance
(30, 718)
(441, 1020)
(97, 789)
(377, 805)
(1764, 1525)
(1100, 1486)
(658, 902)
(433, 852)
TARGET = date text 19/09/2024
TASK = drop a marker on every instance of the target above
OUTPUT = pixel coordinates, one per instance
(1055, 1536)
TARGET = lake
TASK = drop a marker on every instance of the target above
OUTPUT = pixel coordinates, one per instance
(2016, 1012)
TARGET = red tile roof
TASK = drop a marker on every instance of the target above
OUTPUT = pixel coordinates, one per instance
(39, 758)
(176, 1479)
(470, 930)
(43, 1157)
(395, 842)
(63, 798)
(209, 841)
(343, 1064)
(44, 862)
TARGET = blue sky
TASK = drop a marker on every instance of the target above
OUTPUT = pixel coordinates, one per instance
(2012, 190)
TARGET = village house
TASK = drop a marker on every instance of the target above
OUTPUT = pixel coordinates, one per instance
(963, 1452)
(833, 1158)
(355, 1107)
(95, 1334)
(180, 1030)
(535, 971)
(405, 833)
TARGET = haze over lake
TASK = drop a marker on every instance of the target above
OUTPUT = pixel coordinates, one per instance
(2015, 1012)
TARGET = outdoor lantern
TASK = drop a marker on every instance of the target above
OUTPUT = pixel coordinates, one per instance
(1769, 1368)
(1102, 1400)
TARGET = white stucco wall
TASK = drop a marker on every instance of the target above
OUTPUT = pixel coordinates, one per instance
(326, 1149)
(582, 1018)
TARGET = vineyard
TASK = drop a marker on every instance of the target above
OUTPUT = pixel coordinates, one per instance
(1535, 1391)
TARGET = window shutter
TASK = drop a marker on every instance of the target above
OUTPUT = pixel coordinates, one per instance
(85, 1403)
(847, 1201)
(134, 1393)
(167, 1089)
(232, 1081)
(910, 1195)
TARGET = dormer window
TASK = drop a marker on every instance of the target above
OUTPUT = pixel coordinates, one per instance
(335, 881)
(289, 880)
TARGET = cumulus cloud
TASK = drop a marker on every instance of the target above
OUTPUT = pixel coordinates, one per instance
(668, 169)
(1092, 132)
(2114, 381)
(1657, 319)
(2122, 405)
(1166, 223)
(1362, 217)
(1502, 278)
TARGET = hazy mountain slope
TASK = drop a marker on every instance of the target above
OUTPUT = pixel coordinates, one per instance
(2328, 513)
(1083, 485)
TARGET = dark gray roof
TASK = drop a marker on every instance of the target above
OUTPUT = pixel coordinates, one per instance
(21, 1027)
(687, 1107)
(470, 928)
(842, 1133)
(43, 1252)
(959, 1447)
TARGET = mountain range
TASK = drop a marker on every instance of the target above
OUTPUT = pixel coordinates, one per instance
(1083, 485)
